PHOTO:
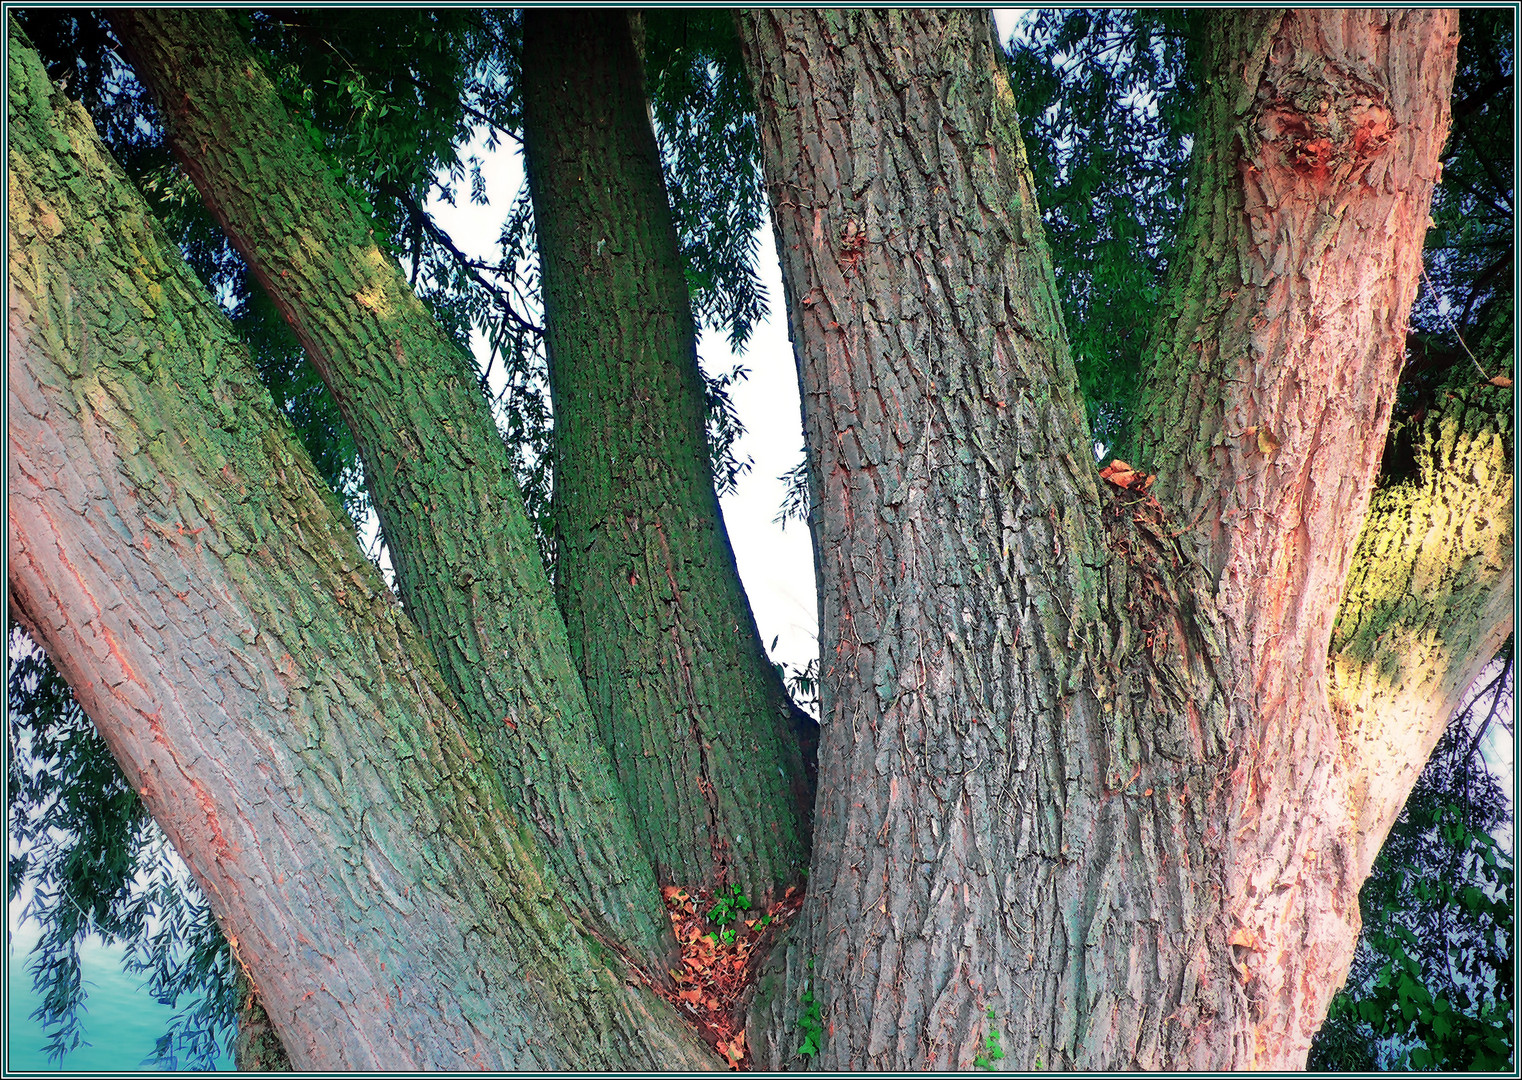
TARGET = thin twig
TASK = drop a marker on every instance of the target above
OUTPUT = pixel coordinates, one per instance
(1451, 326)
(421, 219)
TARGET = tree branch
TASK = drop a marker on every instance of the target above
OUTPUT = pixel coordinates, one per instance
(422, 220)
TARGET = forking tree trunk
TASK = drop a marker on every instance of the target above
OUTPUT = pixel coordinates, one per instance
(701, 731)
(172, 548)
(1082, 782)
(1115, 704)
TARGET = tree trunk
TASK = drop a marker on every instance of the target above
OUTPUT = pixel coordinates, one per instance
(701, 731)
(439, 475)
(257, 1046)
(1280, 340)
(1081, 782)
(1428, 601)
(954, 510)
(1082, 786)
(173, 550)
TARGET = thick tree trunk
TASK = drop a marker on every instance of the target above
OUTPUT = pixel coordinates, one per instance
(440, 477)
(173, 550)
(701, 731)
(1082, 783)
(955, 512)
(1277, 351)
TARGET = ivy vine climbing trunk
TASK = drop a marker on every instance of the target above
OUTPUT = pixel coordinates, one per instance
(1082, 783)
(702, 734)
(433, 459)
(172, 548)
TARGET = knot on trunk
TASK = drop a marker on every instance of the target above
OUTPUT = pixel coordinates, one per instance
(1319, 119)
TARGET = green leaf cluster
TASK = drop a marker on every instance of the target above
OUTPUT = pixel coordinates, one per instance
(705, 122)
(810, 1019)
(992, 1050)
(1107, 109)
(726, 909)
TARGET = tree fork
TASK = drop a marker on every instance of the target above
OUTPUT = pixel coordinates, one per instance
(173, 550)
(433, 457)
(699, 726)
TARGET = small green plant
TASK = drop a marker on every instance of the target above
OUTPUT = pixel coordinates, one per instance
(992, 1051)
(726, 909)
(811, 1020)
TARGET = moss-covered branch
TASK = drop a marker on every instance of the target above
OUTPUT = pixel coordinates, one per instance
(439, 474)
(1429, 598)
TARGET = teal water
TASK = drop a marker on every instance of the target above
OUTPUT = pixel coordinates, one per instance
(122, 1021)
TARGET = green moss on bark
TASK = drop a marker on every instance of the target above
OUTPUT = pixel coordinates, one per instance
(440, 477)
(700, 729)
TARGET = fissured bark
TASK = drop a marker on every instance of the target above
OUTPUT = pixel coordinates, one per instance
(466, 562)
(1082, 784)
(700, 729)
(173, 550)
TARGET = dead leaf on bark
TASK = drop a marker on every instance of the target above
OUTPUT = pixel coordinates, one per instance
(1125, 476)
(1244, 937)
(717, 969)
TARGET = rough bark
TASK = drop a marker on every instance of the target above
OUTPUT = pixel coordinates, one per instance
(173, 550)
(257, 1046)
(954, 511)
(1070, 791)
(1428, 602)
(1281, 337)
(439, 475)
(701, 731)
(1081, 781)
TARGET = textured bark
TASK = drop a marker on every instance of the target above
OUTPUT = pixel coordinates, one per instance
(1428, 602)
(1277, 352)
(1081, 783)
(438, 472)
(954, 517)
(701, 731)
(175, 553)
(1080, 780)
(257, 1046)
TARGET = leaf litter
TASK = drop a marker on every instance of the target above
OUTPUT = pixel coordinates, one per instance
(719, 964)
